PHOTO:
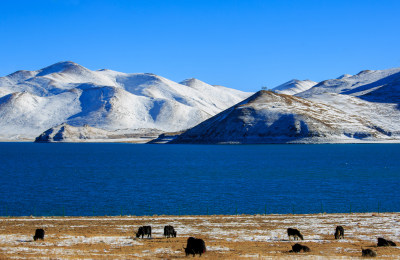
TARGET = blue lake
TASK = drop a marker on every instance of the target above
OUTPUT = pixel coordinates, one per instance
(136, 179)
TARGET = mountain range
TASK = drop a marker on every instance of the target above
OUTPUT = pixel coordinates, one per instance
(68, 102)
(67, 93)
(349, 109)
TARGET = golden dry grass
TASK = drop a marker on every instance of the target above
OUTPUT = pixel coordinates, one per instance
(226, 237)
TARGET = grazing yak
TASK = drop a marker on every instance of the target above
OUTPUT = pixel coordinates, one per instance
(384, 242)
(292, 232)
(145, 230)
(368, 253)
(298, 248)
(339, 233)
(39, 234)
(195, 246)
(169, 231)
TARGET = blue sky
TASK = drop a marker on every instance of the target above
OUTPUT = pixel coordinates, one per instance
(239, 44)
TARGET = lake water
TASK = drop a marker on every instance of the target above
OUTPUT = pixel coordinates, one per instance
(137, 179)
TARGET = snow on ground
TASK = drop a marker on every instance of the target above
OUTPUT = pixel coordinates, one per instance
(218, 248)
(114, 240)
(363, 228)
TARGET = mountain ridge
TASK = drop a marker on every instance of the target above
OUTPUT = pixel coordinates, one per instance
(269, 117)
(71, 99)
(294, 86)
(104, 99)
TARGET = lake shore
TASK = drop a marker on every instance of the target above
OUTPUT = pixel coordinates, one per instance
(226, 236)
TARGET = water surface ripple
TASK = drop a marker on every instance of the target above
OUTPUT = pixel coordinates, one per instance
(136, 179)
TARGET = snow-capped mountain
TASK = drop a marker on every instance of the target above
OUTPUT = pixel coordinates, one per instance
(69, 102)
(268, 117)
(294, 86)
(372, 85)
(371, 94)
(34, 101)
(360, 108)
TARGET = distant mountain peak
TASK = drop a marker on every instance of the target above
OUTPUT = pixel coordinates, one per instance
(19, 72)
(344, 76)
(364, 72)
(61, 67)
(294, 86)
(265, 96)
(191, 82)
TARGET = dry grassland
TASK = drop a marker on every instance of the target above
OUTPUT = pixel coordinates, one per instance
(226, 237)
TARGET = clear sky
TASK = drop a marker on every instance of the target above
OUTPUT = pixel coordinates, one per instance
(243, 44)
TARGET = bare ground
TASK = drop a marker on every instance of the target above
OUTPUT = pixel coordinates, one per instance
(226, 237)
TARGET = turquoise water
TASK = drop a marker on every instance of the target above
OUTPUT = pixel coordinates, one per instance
(137, 179)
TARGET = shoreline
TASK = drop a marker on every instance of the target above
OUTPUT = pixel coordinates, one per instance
(127, 217)
(150, 141)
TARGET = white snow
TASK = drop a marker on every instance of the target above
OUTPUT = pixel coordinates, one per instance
(366, 227)
(268, 117)
(34, 101)
(110, 240)
(294, 86)
(120, 106)
(358, 85)
(218, 248)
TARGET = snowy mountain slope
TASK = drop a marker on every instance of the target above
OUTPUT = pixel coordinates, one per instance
(385, 116)
(294, 86)
(113, 108)
(373, 95)
(268, 117)
(68, 92)
(209, 99)
(23, 115)
(344, 76)
(370, 85)
(53, 79)
(358, 108)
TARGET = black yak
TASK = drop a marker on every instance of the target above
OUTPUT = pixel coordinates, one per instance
(145, 230)
(195, 246)
(368, 253)
(292, 232)
(384, 242)
(39, 234)
(298, 248)
(169, 231)
(339, 233)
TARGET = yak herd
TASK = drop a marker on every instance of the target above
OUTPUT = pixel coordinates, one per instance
(339, 233)
(197, 246)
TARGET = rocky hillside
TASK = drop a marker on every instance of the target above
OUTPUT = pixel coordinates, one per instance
(268, 117)
(350, 109)
(67, 133)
